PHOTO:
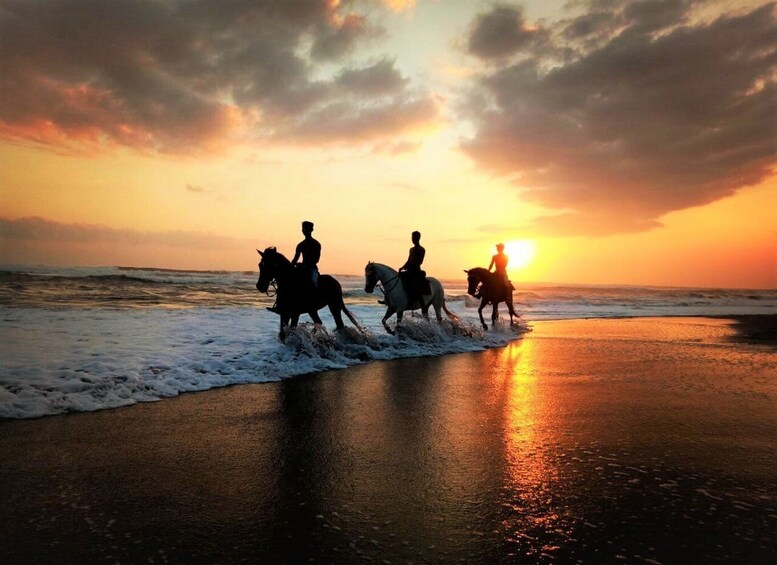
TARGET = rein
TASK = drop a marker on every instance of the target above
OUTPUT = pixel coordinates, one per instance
(274, 288)
(381, 284)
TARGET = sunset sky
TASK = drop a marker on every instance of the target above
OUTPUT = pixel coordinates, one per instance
(621, 142)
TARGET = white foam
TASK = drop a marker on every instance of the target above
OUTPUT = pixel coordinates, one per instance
(64, 360)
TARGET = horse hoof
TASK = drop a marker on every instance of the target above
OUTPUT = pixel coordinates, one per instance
(485, 326)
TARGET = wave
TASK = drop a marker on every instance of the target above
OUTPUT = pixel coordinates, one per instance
(141, 356)
(131, 287)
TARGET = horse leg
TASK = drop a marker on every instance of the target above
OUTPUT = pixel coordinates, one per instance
(400, 313)
(389, 312)
(337, 315)
(483, 303)
(438, 311)
(425, 310)
(511, 308)
(495, 313)
(282, 332)
(294, 320)
(315, 317)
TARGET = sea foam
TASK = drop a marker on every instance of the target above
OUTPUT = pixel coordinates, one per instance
(66, 360)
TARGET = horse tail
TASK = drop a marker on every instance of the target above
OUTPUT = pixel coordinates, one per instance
(450, 314)
(350, 317)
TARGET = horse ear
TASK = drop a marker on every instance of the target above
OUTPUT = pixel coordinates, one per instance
(466, 271)
(260, 253)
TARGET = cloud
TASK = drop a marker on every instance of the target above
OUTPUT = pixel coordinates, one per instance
(379, 79)
(179, 76)
(334, 42)
(500, 32)
(41, 229)
(398, 148)
(344, 122)
(645, 113)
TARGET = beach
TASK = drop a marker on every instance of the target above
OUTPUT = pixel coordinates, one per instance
(611, 440)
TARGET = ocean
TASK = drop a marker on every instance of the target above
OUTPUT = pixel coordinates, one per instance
(84, 339)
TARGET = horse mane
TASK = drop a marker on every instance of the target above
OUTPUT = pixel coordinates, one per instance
(374, 264)
(479, 271)
(281, 256)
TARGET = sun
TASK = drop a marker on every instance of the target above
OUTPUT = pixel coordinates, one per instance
(521, 252)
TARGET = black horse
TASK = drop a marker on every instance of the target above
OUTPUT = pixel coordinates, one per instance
(490, 288)
(296, 294)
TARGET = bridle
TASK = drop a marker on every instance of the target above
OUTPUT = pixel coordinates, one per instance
(477, 280)
(381, 285)
(272, 284)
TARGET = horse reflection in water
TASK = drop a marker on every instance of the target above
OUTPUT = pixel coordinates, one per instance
(491, 289)
(396, 298)
(296, 294)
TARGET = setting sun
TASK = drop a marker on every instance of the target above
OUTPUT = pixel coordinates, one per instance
(521, 252)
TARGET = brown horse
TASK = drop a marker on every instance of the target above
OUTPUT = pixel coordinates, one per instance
(490, 288)
(296, 294)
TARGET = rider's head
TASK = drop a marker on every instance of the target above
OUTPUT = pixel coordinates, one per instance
(307, 228)
(500, 246)
(416, 236)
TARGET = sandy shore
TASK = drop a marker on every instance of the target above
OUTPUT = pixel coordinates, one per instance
(595, 440)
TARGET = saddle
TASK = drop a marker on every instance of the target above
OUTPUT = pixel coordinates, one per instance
(416, 283)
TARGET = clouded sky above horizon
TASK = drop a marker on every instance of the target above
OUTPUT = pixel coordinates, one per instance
(634, 142)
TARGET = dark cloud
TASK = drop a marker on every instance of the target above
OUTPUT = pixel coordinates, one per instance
(174, 76)
(378, 79)
(500, 32)
(334, 42)
(41, 229)
(656, 115)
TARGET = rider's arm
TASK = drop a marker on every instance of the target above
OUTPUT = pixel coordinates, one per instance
(407, 263)
(296, 256)
(491, 264)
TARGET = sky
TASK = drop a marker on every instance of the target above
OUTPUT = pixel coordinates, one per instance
(604, 141)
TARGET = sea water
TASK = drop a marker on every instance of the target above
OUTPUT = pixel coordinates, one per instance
(82, 339)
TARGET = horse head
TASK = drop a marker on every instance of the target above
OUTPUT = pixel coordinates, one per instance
(370, 278)
(269, 267)
(474, 278)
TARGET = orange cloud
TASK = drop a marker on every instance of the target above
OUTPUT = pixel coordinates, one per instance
(179, 76)
(625, 115)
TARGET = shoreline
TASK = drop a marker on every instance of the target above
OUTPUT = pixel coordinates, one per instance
(585, 440)
(753, 329)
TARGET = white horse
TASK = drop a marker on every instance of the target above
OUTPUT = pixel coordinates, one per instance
(396, 297)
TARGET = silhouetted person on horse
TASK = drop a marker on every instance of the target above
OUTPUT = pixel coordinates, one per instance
(413, 278)
(310, 249)
(492, 287)
(499, 264)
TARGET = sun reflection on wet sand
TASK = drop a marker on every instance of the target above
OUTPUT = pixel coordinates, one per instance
(531, 474)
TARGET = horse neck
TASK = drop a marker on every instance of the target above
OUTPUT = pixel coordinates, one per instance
(384, 272)
(480, 273)
(284, 271)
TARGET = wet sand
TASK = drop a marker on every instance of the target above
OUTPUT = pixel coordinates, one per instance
(642, 440)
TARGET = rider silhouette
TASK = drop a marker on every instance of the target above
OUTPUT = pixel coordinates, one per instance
(413, 278)
(310, 249)
(499, 262)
